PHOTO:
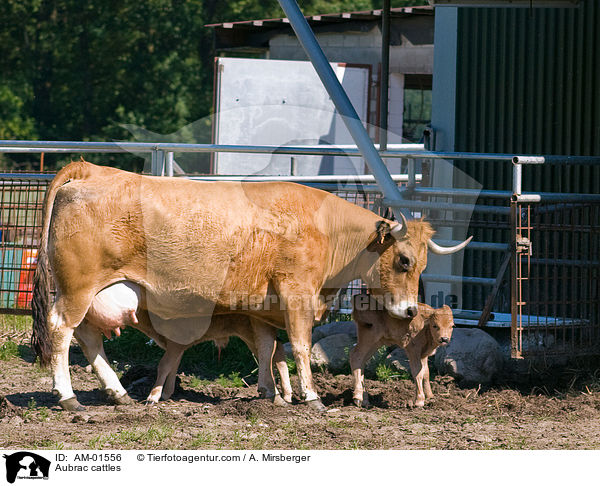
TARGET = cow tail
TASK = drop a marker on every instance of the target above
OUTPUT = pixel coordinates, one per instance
(41, 339)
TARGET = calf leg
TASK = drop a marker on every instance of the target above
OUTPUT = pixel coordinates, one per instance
(166, 368)
(90, 340)
(426, 382)
(418, 368)
(265, 342)
(359, 355)
(284, 372)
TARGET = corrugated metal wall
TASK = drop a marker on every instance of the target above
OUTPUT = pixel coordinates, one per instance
(528, 81)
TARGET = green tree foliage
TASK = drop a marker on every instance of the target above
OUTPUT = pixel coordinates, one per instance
(79, 70)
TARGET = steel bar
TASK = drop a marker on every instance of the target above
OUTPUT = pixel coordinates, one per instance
(556, 159)
(415, 151)
(385, 74)
(169, 164)
(431, 277)
(464, 208)
(340, 99)
(360, 178)
(517, 179)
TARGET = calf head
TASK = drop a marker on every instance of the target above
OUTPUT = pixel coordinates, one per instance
(440, 324)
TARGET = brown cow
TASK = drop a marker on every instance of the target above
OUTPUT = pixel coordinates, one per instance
(272, 250)
(420, 336)
(117, 306)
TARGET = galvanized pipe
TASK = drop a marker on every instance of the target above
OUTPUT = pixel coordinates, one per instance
(460, 208)
(407, 151)
(517, 179)
(430, 277)
(556, 159)
(384, 82)
(332, 179)
(341, 101)
(169, 164)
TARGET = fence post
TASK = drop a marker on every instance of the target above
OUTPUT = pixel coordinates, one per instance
(169, 164)
(158, 162)
(515, 335)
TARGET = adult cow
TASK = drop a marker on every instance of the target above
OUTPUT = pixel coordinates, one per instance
(270, 249)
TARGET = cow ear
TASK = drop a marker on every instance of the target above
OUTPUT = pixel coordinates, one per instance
(383, 230)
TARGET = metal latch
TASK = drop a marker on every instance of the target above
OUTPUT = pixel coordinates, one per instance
(523, 245)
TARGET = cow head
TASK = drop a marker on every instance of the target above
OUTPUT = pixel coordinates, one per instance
(401, 249)
(441, 324)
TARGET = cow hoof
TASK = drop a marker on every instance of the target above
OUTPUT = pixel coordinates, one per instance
(149, 403)
(71, 405)
(279, 401)
(287, 398)
(316, 405)
(123, 400)
(358, 402)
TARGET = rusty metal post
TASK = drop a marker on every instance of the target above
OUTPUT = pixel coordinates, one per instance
(515, 334)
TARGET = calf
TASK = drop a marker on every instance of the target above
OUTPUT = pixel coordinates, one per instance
(118, 306)
(419, 336)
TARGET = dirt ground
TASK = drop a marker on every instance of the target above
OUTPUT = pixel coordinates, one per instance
(553, 409)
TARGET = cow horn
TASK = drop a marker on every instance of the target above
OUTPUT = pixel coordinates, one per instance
(447, 250)
(399, 231)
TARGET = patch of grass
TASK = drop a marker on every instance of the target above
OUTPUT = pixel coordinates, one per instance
(202, 440)
(385, 373)
(9, 350)
(133, 437)
(14, 323)
(48, 444)
(233, 380)
(291, 364)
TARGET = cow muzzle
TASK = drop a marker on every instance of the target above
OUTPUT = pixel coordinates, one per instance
(404, 310)
(444, 340)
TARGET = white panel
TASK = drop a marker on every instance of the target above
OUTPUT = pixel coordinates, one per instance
(269, 102)
(395, 117)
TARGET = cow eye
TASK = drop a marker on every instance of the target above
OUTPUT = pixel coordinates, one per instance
(403, 263)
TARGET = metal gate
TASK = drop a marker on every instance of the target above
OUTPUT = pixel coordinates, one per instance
(21, 198)
(555, 278)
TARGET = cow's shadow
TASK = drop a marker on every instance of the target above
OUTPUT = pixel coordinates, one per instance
(345, 399)
(39, 399)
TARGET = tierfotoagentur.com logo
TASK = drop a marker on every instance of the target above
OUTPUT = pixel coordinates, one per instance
(26, 465)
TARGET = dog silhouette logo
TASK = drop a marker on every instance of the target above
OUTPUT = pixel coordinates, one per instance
(26, 465)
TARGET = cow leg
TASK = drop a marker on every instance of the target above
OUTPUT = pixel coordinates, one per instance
(167, 367)
(284, 372)
(299, 322)
(90, 340)
(64, 317)
(418, 368)
(359, 355)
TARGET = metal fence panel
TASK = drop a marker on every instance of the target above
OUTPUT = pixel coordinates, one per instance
(21, 202)
(556, 277)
